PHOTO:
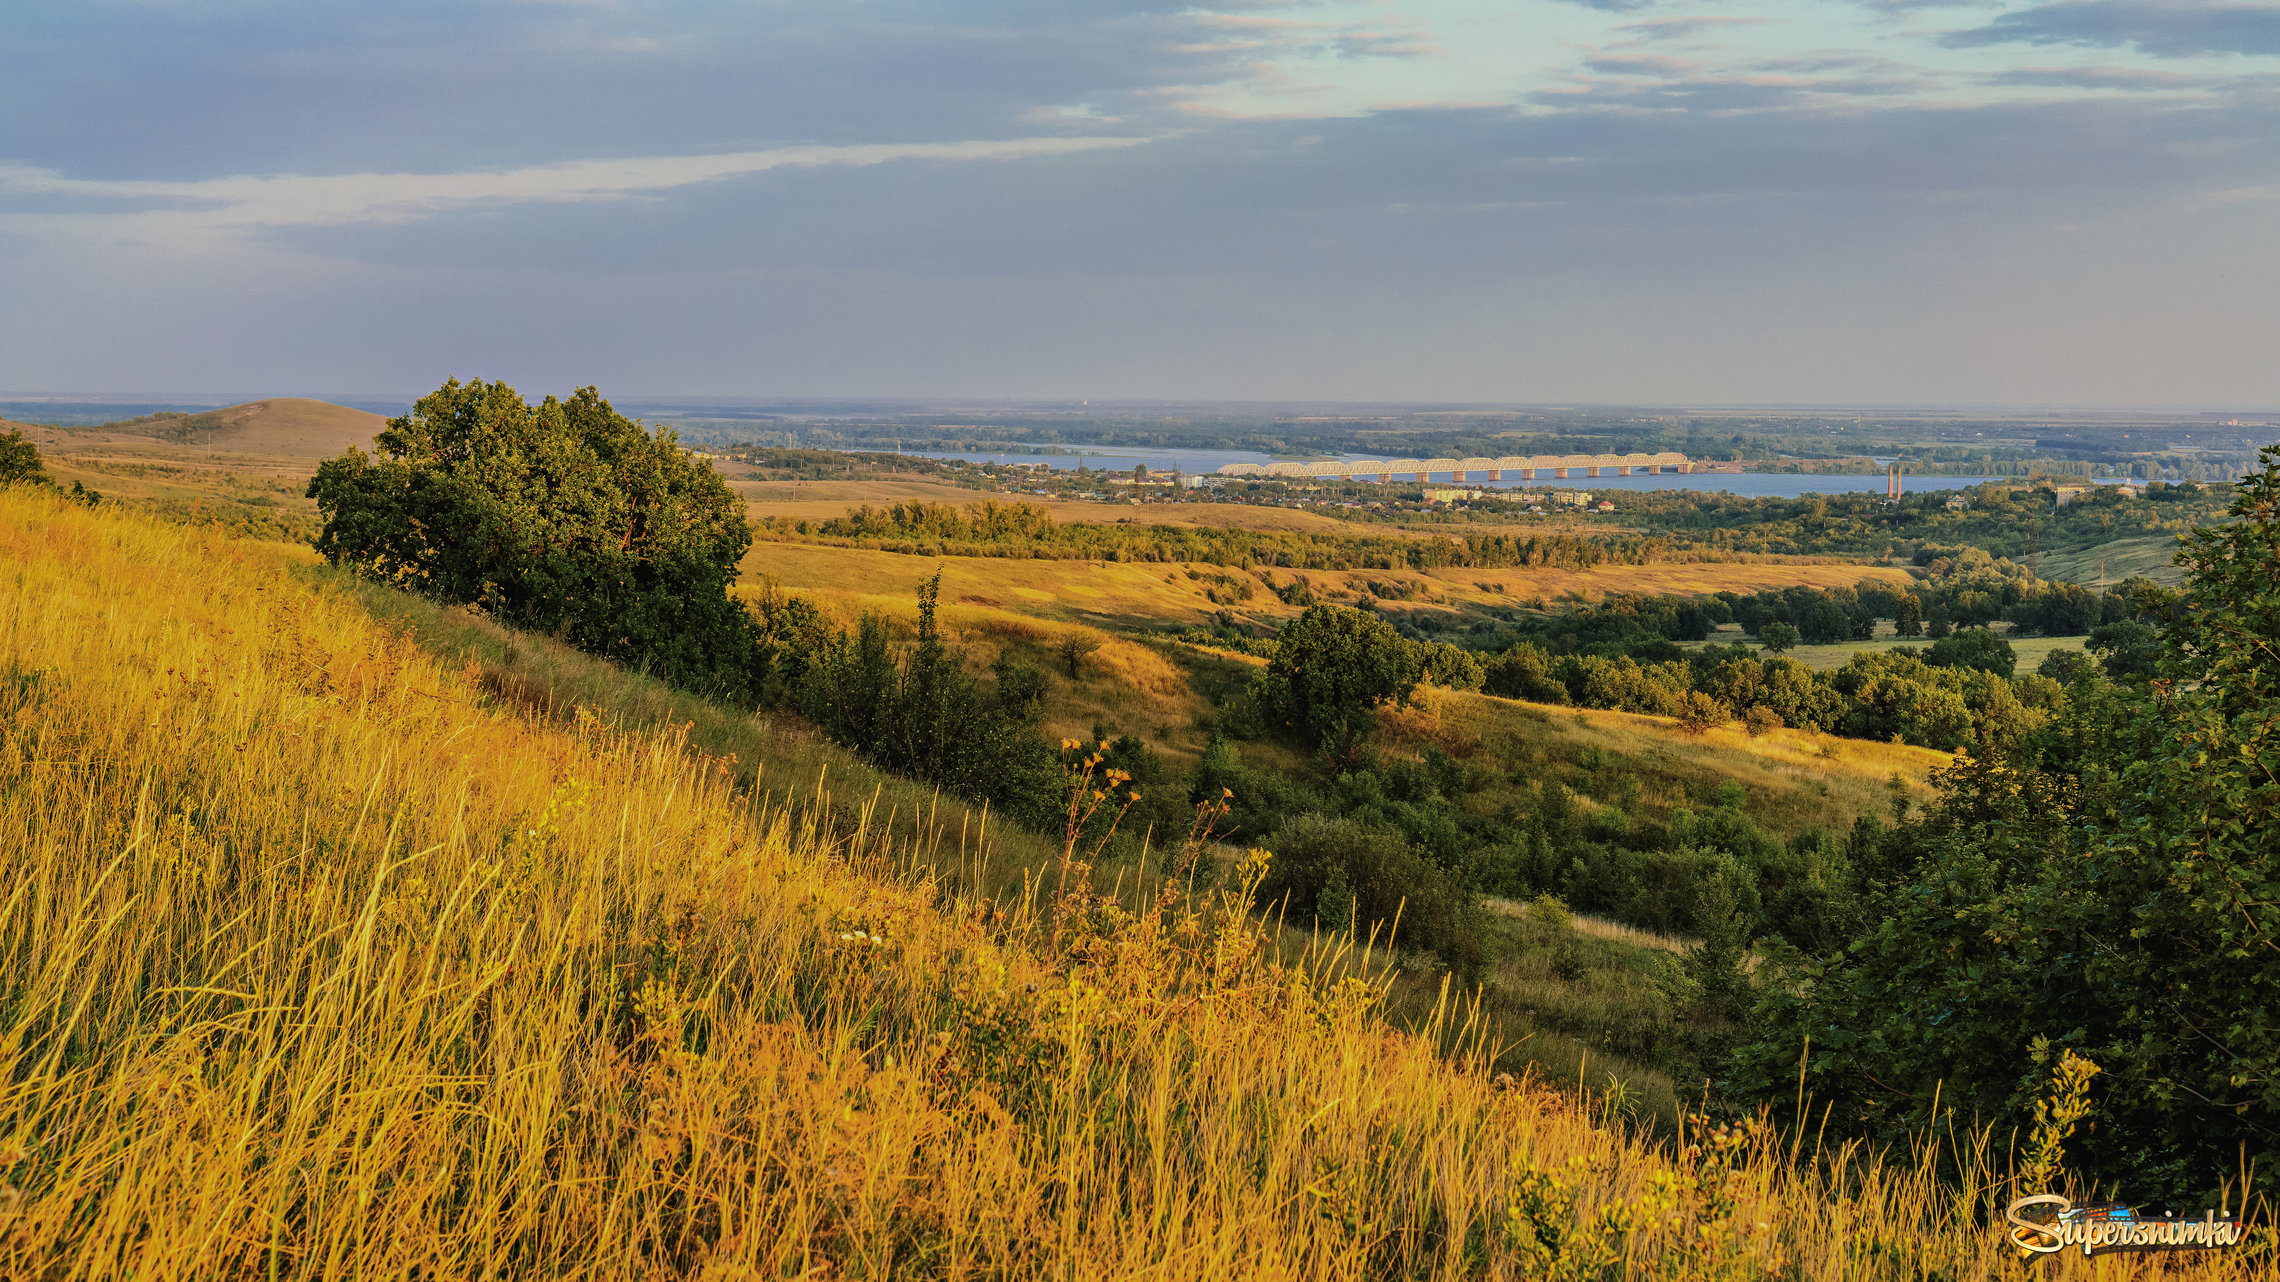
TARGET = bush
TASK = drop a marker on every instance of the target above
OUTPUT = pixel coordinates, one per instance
(2106, 888)
(1761, 720)
(1524, 672)
(1973, 648)
(2128, 649)
(564, 517)
(1390, 884)
(1698, 712)
(1777, 637)
(915, 711)
(2067, 666)
(1453, 668)
(1331, 667)
(20, 460)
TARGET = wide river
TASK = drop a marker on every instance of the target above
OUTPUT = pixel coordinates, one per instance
(1746, 484)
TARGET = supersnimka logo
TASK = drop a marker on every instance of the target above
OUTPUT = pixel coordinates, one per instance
(2102, 1227)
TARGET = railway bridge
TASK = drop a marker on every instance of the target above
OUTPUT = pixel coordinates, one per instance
(1533, 467)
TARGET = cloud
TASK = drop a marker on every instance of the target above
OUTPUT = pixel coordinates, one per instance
(2127, 78)
(1658, 29)
(246, 202)
(1665, 82)
(2162, 28)
(1262, 36)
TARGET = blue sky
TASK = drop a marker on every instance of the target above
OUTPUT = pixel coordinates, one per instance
(1878, 201)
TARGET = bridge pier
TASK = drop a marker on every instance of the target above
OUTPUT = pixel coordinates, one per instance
(1457, 478)
(1496, 474)
(1385, 478)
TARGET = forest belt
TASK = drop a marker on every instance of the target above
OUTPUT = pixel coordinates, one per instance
(2104, 1227)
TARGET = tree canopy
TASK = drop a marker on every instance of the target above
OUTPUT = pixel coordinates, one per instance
(1332, 666)
(563, 517)
(19, 459)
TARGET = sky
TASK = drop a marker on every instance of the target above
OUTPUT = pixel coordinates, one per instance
(2072, 203)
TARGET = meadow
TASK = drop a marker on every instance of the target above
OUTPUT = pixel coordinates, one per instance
(1127, 594)
(328, 956)
(2029, 651)
(2154, 557)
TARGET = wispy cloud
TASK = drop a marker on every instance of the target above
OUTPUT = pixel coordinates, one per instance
(2135, 79)
(230, 206)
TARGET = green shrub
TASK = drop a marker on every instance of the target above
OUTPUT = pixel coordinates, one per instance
(564, 517)
(1392, 886)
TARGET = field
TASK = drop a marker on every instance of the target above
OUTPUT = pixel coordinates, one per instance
(333, 954)
(2029, 651)
(1130, 594)
(1795, 779)
(2153, 558)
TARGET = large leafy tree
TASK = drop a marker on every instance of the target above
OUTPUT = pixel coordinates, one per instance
(2112, 884)
(1331, 667)
(563, 517)
(19, 459)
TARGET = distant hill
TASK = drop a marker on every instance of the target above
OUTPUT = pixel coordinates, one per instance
(282, 427)
(285, 425)
(33, 432)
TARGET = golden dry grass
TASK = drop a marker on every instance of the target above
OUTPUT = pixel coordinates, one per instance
(1077, 591)
(288, 426)
(2028, 651)
(824, 500)
(1694, 579)
(1133, 593)
(1793, 779)
(320, 962)
(1600, 928)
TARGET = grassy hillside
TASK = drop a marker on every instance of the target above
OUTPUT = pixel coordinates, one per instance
(283, 426)
(324, 958)
(1793, 779)
(2154, 557)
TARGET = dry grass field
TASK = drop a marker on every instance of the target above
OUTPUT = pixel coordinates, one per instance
(1794, 779)
(1129, 594)
(328, 959)
(284, 427)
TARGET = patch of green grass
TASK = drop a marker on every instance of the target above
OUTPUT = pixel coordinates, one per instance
(2153, 556)
(1582, 1007)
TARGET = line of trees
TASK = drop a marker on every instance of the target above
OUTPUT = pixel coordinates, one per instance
(1995, 517)
(1940, 699)
(1018, 529)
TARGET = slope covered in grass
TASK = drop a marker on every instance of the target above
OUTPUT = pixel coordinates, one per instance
(318, 959)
